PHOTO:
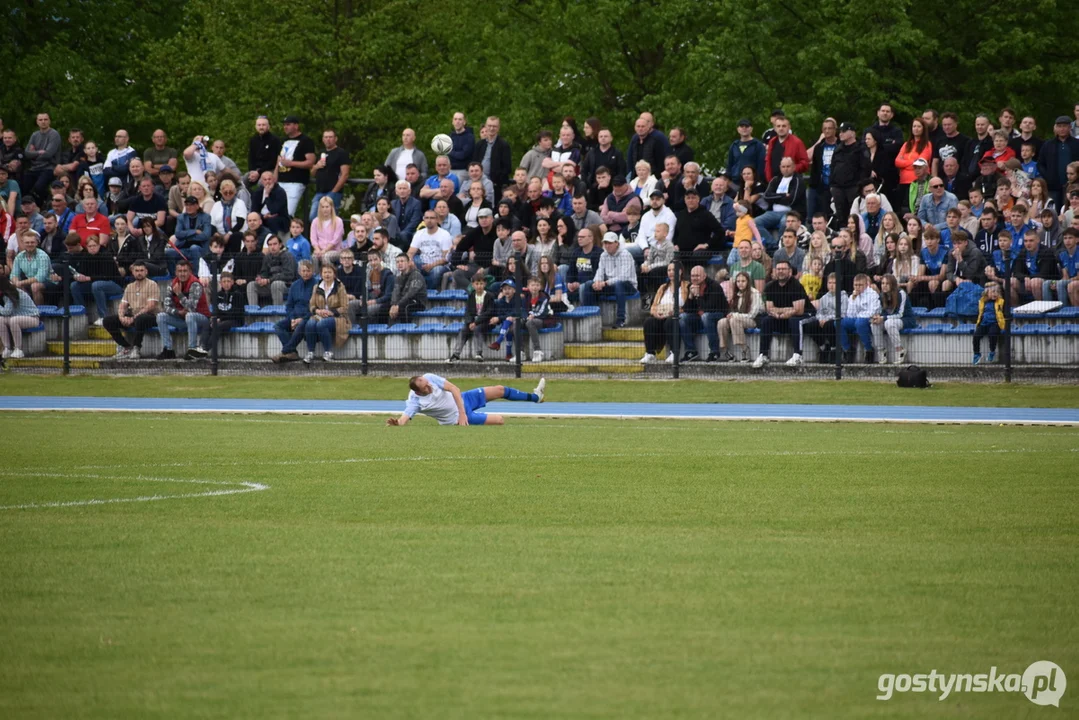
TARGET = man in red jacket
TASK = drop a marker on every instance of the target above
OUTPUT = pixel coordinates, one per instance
(91, 222)
(784, 144)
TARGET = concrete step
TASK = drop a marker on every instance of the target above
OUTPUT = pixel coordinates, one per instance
(54, 362)
(581, 367)
(604, 351)
(96, 333)
(629, 334)
(92, 348)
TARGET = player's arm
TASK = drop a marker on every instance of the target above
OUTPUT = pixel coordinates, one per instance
(399, 421)
(462, 417)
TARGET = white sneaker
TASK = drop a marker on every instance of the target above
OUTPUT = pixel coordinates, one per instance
(761, 361)
(882, 357)
(537, 356)
(134, 354)
(540, 387)
(17, 354)
(327, 356)
(648, 358)
(122, 353)
(100, 322)
(6, 354)
(308, 358)
(670, 358)
(900, 356)
(795, 361)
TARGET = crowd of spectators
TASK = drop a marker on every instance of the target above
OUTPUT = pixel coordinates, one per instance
(900, 216)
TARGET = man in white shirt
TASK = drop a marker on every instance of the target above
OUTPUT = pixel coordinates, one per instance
(117, 159)
(438, 398)
(200, 160)
(433, 245)
(657, 213)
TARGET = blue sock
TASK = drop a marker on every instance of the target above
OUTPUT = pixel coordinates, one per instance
(518, 396)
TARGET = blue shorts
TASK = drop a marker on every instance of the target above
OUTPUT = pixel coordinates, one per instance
(473, 400)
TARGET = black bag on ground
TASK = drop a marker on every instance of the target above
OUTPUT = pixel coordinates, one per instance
(913, 377)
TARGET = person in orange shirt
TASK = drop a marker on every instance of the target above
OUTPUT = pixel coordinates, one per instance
(917, 147)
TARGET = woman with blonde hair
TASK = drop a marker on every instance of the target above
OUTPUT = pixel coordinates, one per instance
(327, 234)
(746, 305)
(329, 312)
(644, 182)
(818, 248)
(889, 224)
(904, 266)
(200, 192)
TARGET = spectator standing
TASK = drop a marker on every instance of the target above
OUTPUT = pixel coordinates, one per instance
(916, 148)
(785, 144)
(159, 154)
(407, 154)
(990, 321)
(1055, 156)
(850, 171)
(746, 151)
(43, 153)
(294, 162)
(493, 154)
(262, 151)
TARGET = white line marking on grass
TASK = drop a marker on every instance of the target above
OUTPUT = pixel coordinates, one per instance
(234, 488)
(568, 456)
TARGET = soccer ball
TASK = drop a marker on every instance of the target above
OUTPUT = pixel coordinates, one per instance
(441, 143)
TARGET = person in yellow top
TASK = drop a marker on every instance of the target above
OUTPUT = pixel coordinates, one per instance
(745, 228)
(989, 323)
(811, 279)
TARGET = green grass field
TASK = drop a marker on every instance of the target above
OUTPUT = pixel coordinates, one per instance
(550, 568)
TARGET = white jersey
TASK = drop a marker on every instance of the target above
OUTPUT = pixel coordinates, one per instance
(439, 405)
(432, 247)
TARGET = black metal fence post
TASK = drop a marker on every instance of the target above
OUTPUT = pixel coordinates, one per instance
(838, 347)
(1006, 338)
(520, 331)
(676, 292)
(363, 319)
(65, 280)
(215, 316)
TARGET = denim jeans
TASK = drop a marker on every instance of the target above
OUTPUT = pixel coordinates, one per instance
(691, 324)
(290, 339)
(620, 289)
(336, 197)
(322, 330)
(769, 224)
(101, 290)
(857, 325)
(192, 254)
(194, 322)
(434, 277)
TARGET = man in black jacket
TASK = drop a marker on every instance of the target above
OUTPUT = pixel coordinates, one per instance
(271, 202)
(841, 264)
(262, 151)
(493, 153)
(604, 155)
(1034, 266)
(1054, 157)
(227, 312)
(850, 171)
(475, 250)
(698, 233)
(785, 192)
(705, 306)
(479, 318)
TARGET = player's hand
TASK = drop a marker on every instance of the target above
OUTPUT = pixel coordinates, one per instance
(462, 421)
(391, 421)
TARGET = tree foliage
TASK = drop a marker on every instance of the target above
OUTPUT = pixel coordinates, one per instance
(370, 68)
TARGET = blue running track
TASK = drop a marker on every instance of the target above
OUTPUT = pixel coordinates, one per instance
(680, 411)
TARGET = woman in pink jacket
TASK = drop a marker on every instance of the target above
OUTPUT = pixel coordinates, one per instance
(327, 234)
(916, 147)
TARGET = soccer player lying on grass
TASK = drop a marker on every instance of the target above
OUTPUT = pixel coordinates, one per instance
(438, 398)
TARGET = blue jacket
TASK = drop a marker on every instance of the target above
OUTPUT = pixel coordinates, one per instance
(192, 231)
(727, 218)
(298, 304)
(408, 217)
(464, 145)
(752, 156)
(300, 247)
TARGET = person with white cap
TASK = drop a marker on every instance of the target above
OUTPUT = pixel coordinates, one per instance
(1055, 156)
(617, 274)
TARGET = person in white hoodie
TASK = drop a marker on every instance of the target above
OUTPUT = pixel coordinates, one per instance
(863, 305)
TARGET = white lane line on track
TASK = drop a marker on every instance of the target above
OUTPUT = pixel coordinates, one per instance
(231, 488)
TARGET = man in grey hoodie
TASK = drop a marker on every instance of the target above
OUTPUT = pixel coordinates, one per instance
(409, 291)
(43, 152)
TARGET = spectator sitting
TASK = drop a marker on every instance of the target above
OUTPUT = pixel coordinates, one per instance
(644, 183)
(820, 328)
(818, 250)
(786, 304)
(746, 306)
(617, 204)
(990, 321)
(383, 186)
(928, 288)
(248, 262)
(700, 236)
(354, 278)
(790, 252)
(1068, 286)
(1002, 261)
(475, 250)
(380, 282)
(554, 284)
(327, 234)
(720, 204)
(432, 245)
(17, 313)
(409, 291)
(702, 310)
(271, 202)
(186, 306)
(965, 264)
(851, 260)
(896, 314)
(450, 222)
(297, 244)
(657, 257)
(277, 272)
(475, 176)
(229, 214)
(290, 330)
(504, 311)
(661, 324)
(91, 222)
(537, 306)
(193, 230)
(31, 268)
(811, 277)
(329, 313)
(616, 273)
(658, 212)
(228, 313)
(748, 265)
(214, 263)
(407, 210)
(96, 274)
(785, 192)
(1035, 266)
(863, 306)
(137, 313)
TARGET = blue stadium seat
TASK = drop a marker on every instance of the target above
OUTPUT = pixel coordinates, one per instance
(580, 312)
(255, 328)
(268, 310)
(962, 329)
(52, 311)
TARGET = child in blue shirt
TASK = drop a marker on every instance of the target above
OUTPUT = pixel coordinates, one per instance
(1027, 162)
(297, 244)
